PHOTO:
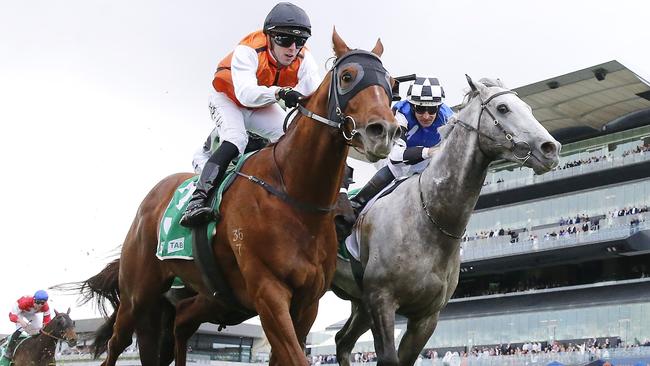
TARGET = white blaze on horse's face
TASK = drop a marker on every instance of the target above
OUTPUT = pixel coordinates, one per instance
(513, 131)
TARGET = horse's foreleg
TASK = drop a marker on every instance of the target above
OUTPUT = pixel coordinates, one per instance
(303, 315)
(346, 338)
(272, 301)
(418, 332)
(382, 312)
(190, 313)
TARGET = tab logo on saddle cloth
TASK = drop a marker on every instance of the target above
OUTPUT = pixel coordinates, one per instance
(176, 245)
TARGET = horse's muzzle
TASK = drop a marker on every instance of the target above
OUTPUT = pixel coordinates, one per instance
(378, 138)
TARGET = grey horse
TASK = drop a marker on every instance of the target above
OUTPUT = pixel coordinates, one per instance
(410, 239)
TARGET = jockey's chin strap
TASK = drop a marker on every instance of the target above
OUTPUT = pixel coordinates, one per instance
(510, 137)
(370, 71)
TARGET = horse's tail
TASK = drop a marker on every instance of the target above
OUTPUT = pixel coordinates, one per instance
(101, 287)
(103, 334)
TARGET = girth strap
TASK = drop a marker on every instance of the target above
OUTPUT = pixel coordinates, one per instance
(211, 272)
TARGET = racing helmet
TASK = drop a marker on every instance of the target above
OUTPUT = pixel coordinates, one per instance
(425, 92)
(287, 18)
(41, 295)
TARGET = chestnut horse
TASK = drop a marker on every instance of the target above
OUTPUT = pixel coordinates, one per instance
(278, 257)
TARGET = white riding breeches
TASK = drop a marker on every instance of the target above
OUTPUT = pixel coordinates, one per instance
(232, 121)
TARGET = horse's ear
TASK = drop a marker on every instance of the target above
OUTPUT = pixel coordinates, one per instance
(68, 312)
(379, 48)
(338, 45)
(56, 312)
(471, 83)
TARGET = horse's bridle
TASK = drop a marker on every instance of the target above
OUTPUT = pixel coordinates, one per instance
(42, 331)
(510, 137)
(370, 72)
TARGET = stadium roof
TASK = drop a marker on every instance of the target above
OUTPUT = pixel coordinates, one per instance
(597, 100)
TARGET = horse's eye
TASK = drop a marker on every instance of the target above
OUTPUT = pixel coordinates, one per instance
(347, 77)
(502, 108)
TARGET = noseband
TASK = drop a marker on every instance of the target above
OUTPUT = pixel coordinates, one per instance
(370, 71)
(510, 137)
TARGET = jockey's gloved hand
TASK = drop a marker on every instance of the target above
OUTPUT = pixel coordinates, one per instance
(290, 97)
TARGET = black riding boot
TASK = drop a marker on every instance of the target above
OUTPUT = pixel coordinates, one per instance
(11, 346)
(379, 181)
(198, 212)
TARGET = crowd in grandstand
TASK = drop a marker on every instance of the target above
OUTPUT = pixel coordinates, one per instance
(586, 161)
(598, 347)
(582, 223)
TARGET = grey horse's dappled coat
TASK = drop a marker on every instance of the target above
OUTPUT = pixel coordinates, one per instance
(410, 239)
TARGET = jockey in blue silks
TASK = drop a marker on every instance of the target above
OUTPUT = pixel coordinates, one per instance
(419, 117)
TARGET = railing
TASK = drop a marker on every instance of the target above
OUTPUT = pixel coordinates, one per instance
(498, 246)
(133, 359)
(563, 173)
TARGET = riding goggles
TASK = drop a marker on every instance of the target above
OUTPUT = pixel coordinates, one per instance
(432, 109)
(287, 41)
(39, 302)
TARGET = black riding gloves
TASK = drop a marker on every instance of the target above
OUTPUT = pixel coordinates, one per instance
(290, 97)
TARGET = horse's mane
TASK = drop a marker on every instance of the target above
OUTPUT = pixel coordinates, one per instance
(488, 82)
(445, 130)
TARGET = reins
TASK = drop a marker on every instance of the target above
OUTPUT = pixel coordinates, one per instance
(509, 137)
(42, 331)
(336, 118)
(433, 221)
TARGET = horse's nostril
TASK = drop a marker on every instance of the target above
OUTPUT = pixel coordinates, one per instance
(375, 129)
(548, 148)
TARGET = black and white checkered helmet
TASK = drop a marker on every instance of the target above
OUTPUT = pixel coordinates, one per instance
(425, 92)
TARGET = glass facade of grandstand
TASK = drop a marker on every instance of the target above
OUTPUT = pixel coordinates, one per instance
(628, 321)
(600, 153)
(614, 212)
(606, 213)
(628, 147)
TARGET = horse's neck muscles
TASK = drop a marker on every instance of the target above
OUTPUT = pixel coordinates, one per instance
(311, 158)
(452, 182)
(42, 348)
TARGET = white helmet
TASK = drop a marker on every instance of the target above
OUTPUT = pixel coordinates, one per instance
(425, 92)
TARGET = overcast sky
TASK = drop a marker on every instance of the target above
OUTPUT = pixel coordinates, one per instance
(99, 100)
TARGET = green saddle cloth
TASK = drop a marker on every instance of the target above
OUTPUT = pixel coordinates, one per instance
(175, 240)
(3, 360)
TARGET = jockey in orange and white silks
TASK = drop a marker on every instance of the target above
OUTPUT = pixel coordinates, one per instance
(266, 66)
(25, 312)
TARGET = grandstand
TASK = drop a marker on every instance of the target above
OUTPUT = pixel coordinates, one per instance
(560, 262)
